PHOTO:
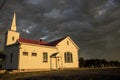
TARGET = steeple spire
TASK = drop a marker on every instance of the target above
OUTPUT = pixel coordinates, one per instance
(13, 25)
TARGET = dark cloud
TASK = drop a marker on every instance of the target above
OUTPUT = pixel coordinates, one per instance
(92, 24)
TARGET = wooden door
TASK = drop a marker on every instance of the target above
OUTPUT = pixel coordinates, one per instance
(59, 63)
(53, 64)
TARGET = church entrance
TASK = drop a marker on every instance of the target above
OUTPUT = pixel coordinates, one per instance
(55, 62)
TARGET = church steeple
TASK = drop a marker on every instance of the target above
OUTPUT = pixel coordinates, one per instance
(12, 35)
(13, 25)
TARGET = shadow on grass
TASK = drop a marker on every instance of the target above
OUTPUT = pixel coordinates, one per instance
(89, 74)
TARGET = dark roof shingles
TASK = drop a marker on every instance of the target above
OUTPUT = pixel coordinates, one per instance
(54, 43)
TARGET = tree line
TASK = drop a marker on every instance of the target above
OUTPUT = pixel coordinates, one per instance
(95, 63)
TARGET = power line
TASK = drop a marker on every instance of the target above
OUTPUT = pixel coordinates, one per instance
(3, 3)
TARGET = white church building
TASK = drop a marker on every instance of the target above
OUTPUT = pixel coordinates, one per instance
(25, 54)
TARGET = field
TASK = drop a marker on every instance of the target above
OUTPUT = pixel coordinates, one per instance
(81, 74)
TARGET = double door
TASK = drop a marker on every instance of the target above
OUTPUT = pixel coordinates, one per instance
(56, 63)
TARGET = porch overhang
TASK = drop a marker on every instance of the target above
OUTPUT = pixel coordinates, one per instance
(55, 55)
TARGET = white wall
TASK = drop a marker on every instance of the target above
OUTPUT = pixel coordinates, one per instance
(11, 34)
(34, 62)
(64, 47)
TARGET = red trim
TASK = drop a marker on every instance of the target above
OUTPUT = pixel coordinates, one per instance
(53, 43)
(32, 41)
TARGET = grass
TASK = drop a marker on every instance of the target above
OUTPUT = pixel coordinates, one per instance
(81, 74)
(13, 76)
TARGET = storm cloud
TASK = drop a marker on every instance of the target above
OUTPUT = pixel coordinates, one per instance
(93, 24)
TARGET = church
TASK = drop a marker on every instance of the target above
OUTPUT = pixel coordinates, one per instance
(25, 54)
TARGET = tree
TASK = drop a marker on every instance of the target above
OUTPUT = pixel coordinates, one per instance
(81, 62)
(97, 63)
(1, 52)
(114, 63)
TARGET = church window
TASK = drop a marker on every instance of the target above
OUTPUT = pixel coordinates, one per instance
(25, 53)
(65, 56)
(71, 57)
(13, 38)
(45, 57)
(67, 42)
(34, 54)
(68, 57)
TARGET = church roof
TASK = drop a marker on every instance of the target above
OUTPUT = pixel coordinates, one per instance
(53, 43)
(32, 41)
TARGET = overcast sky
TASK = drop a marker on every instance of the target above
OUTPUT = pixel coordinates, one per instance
(94, 25)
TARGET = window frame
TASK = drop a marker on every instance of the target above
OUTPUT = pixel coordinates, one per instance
(45, 57)
(67, 42)
(68, 57)
(33, 54)
(13, 38)
(25, 53)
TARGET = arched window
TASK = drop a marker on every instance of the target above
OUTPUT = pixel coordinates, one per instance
(68, 57)
(13, 38)
(67, 42)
